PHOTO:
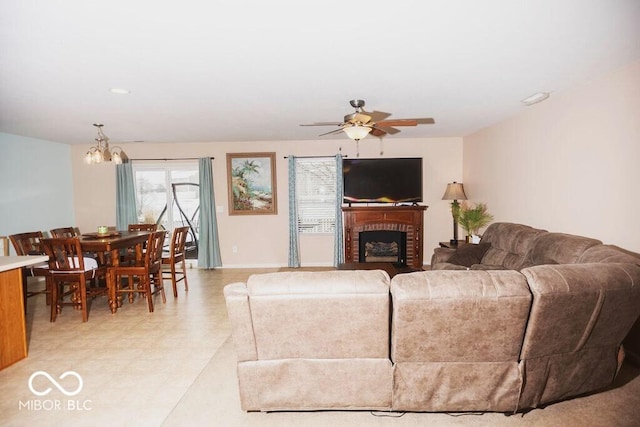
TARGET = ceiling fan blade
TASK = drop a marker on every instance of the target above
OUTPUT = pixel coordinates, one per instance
(377, 116)
(377, 132)
(387, 129)
(331, 132)
(398, 122)
(424, 121)
(324, 124)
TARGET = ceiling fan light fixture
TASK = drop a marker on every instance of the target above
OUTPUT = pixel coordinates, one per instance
(356, 131)
(119, 91)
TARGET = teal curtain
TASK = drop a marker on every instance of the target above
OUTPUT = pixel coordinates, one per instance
(209, 244)
(294, 249)
(126, 211)
(338, 243)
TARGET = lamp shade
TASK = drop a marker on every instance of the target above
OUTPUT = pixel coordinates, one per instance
(454, 191)
(356, 132)
(101, 152)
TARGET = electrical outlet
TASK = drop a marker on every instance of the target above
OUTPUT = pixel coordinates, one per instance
(234, 249)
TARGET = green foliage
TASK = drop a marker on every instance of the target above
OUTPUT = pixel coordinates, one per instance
(472, 219)
(241, 184)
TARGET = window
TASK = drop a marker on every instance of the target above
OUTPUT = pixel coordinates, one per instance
(316, 194)
(167, 194)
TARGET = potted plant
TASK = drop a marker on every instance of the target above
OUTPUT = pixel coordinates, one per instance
(473, 218)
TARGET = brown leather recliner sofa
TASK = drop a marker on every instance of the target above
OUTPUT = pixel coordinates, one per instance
(475, 339)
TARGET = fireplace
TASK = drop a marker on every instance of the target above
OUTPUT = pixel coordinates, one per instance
(404, 221)
(383, 246)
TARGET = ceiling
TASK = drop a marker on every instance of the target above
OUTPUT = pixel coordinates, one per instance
(243, 70)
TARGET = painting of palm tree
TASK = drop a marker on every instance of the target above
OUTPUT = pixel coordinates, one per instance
(252, 185)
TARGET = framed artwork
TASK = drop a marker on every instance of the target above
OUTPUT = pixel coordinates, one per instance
(251, 179)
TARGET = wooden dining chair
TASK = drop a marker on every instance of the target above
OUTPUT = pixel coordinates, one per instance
(176, 255)
(5, 245)
(130, 255)
(143, 276)
(59, 233)
(69, 272)
(63, 232)
(143, 227)
(29, 243)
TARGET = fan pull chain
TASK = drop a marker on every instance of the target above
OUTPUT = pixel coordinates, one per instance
(357, 148)
(381, 147)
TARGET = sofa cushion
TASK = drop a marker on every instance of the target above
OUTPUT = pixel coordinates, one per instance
(510, 244)
(320, 315)
(560, 248)
(438, 315)
(468, 255)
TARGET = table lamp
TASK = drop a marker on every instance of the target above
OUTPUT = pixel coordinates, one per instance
(455, 192)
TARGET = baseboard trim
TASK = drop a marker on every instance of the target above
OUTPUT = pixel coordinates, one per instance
(309, 265)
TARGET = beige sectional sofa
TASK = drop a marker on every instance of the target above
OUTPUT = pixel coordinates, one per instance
(507, 335)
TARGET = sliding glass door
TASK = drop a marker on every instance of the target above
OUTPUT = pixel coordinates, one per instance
(167, 195)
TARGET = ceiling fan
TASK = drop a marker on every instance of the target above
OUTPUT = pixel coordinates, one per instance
(361, 123)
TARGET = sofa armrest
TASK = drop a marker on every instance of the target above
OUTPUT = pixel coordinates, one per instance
(441, 255)
(237, 299)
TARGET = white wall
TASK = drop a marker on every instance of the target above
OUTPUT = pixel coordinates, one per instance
(36, 192)
(262, 240)
(568, 164)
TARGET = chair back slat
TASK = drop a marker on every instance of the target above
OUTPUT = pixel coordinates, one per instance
(63, 232)
(178, 241)
(143, 227)
(27, 243)
(153, 255)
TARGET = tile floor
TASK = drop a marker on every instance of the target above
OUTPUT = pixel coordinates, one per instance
(134, 365)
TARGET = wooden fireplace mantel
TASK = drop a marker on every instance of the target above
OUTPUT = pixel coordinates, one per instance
(409, 219)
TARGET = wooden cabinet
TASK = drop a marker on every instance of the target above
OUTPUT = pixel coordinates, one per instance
(13, 332)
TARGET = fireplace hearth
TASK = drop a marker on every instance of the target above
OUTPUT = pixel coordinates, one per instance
(383, 246)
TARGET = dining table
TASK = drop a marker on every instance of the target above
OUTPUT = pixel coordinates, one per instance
(112, 242)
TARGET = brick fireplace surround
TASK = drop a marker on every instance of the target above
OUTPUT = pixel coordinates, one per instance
(408, 219)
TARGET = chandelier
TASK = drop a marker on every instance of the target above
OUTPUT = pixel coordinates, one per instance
(102, 153)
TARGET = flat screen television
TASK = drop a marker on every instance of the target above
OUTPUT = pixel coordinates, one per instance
(384, 180)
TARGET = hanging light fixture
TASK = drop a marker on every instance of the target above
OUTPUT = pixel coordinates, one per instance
(101, 152)
(356, 131)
